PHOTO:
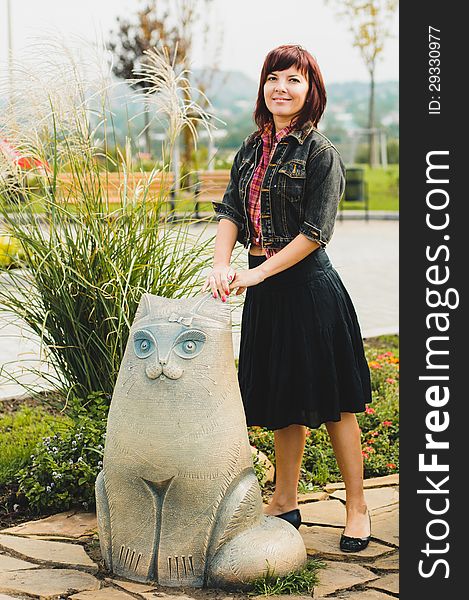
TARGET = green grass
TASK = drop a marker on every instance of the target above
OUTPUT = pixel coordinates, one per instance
(383, 189)
(296, 582)
(19, 434)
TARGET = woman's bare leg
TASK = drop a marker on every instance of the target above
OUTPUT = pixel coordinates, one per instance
(345, 438)
(289, 446)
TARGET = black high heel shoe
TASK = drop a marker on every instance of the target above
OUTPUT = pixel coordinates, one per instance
(353, 544)
(292, 516)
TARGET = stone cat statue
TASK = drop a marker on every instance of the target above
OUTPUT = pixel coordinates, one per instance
(178, 502)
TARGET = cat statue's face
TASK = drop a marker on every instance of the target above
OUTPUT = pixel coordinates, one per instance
(178, 358)
(168, 335)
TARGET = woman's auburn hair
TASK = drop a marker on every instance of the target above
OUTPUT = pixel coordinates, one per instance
(280, 59)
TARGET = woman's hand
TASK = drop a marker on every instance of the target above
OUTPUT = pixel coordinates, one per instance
(247, 278)
(219, 279)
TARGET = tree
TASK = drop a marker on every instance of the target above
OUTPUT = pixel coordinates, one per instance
(131, 42)
(369, 24)
(169, 26)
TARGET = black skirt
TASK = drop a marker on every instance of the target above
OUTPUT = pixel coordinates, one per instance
(301, 356)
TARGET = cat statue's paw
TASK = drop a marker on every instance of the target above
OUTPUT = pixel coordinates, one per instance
(273, 546)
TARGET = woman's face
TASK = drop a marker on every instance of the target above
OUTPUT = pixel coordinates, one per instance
(285, 93)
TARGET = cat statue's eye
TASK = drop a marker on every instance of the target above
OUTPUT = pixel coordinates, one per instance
(144, 343)
(190, 343)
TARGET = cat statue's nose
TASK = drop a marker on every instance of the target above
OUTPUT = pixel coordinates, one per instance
(162, 371)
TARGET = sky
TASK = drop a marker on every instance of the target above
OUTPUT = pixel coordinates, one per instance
(243, 31)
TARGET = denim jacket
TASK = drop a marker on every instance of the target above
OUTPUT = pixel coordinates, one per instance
(300, 192)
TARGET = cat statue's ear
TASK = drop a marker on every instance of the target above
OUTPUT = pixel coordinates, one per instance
(211, 307)
(143, 309)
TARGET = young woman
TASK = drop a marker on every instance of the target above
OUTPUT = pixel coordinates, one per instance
(301, 359)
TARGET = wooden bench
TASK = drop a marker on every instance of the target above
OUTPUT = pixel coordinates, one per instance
(210, 187)
(213, 185)
(113, 186)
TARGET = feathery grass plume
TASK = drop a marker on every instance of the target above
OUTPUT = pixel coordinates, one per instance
(90, 249)
(166, 91)
(171, 93)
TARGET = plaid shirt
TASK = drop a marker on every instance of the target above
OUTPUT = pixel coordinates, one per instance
(254, 203)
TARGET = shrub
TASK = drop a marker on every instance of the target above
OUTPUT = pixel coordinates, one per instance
(63, 467)
(19, 434)
(11, 253)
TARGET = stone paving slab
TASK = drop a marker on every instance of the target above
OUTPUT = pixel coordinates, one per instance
(8, 563)
(104, 594)
(387, 583)
(345, 570)
(65, 525)
(361, 595)
(4, 597)
(323, 512)
(386, 563)
(155, 595)
(47, 583)
(338, 576)
(312, 497)
(373, 482)
(48, 552)
(375, 497)
(131, 586)
(385, 526)
(19, 351)
(325, 542)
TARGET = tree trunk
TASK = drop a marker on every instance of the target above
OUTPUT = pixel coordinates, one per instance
(373, 154)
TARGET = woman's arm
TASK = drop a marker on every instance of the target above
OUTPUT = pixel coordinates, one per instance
(292, 253)
(222, 273)
(288, 256)
(227, 233)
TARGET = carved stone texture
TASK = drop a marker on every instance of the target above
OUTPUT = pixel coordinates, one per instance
(178, 502)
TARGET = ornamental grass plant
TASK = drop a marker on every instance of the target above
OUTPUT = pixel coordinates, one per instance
(86, 261)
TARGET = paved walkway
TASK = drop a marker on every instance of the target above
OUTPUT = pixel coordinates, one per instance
(364, 253)
(50, 557)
